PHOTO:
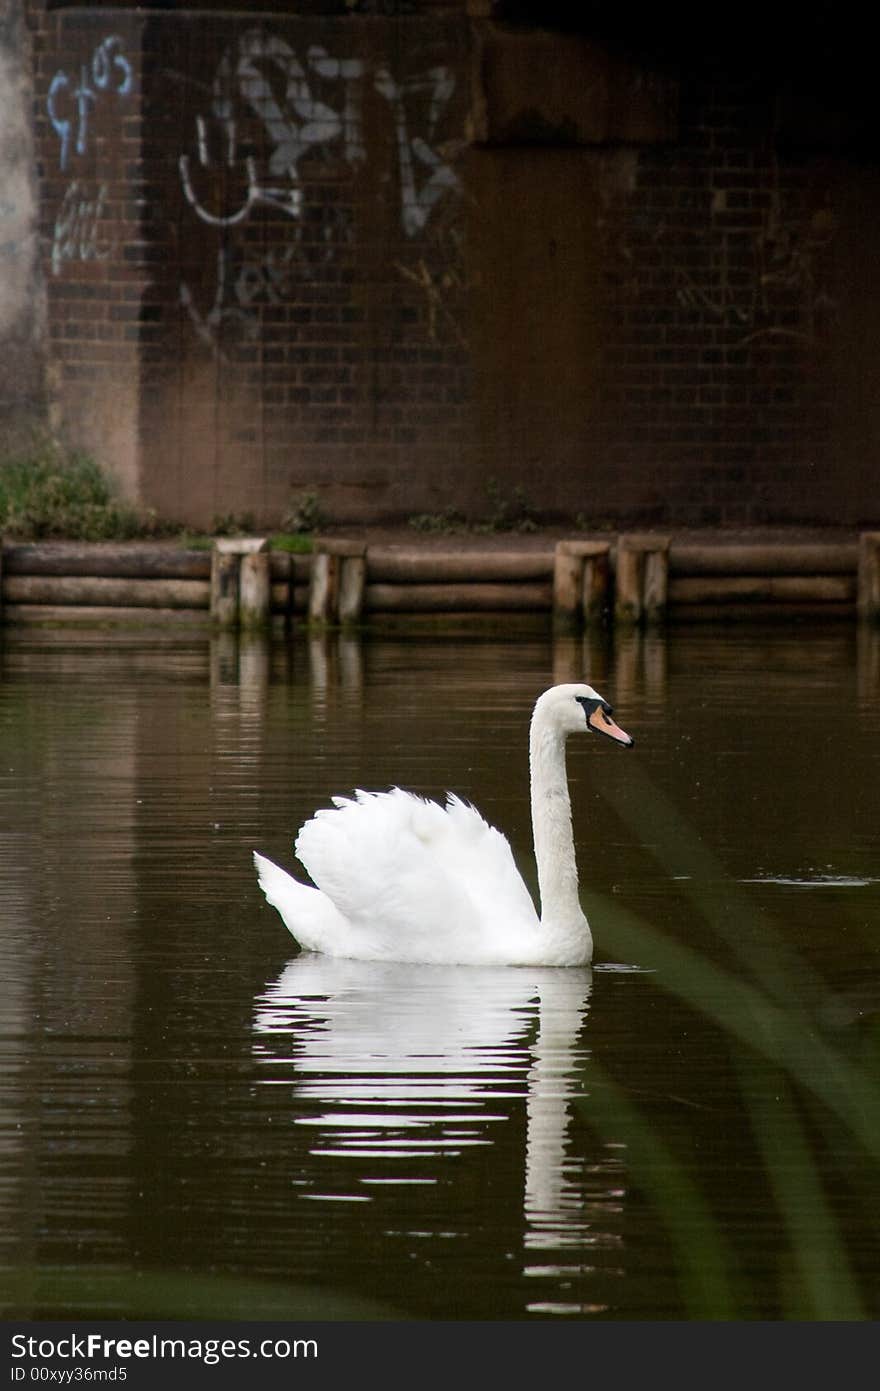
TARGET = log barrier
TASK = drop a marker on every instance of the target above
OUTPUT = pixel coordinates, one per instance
(869, 576)
(632, 579)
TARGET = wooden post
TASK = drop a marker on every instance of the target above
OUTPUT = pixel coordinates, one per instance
(338, 580)
(352, 584)
(656, 581)
(568, 577)
(597, 582)
(628, 582)
(642, 578)
(226, 581)
(322, 587)
(580, 583)
(224, 587)
(254, 590)
(868, 602)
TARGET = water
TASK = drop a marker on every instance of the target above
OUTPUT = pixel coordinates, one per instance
(195, 1120)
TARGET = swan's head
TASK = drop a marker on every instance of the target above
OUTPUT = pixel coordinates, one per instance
(578, 709)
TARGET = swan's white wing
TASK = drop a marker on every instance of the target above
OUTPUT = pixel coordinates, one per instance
(481, 856)
(416, 880)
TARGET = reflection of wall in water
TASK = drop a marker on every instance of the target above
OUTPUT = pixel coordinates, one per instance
(68, 925)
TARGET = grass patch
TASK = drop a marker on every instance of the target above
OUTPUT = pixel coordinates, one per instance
(194, 541)
(296, 542)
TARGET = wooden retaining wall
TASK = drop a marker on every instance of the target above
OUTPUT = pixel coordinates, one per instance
(630, 579)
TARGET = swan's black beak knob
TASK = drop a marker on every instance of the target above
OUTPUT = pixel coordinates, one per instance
(599, 720)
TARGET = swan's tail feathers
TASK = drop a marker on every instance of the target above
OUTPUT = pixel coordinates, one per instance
(275, 882)
(308, 915)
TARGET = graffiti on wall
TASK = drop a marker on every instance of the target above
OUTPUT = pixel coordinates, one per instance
(264, 78)
(271, 117)
(76, 236)
(247, 279)
(756, 278)
(71, 99)
(302, 106)
(416, 155)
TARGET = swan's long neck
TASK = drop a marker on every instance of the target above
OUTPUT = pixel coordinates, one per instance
(551, 827)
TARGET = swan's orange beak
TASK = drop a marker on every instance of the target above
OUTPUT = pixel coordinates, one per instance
(600, 721)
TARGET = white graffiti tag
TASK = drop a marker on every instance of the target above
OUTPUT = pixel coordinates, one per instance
(75, 237)
(244, 284)
(303, 120)
(417, 202)
(262, 77)
(293, 124)
(255, 191)
(209, 325)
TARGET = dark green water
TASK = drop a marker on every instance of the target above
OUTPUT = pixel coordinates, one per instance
(196, 1121)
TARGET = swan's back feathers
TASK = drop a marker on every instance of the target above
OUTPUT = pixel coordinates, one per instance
(415, 880)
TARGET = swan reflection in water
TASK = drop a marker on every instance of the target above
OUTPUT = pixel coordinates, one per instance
(403, 1068)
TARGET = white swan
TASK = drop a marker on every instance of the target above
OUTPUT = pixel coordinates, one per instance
(403, 879)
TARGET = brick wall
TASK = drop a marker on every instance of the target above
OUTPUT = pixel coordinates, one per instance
(87, 102)
(250, 245)
(721, 310)
(393, 259)
(305, 175)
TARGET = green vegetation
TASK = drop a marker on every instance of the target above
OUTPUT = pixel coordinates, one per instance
(303, 517)
(449, 522)
(229, 524)
(585, 523)
(304, 514)
(49, 491)
(507, 512)
(194, 542)
(296, 542)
